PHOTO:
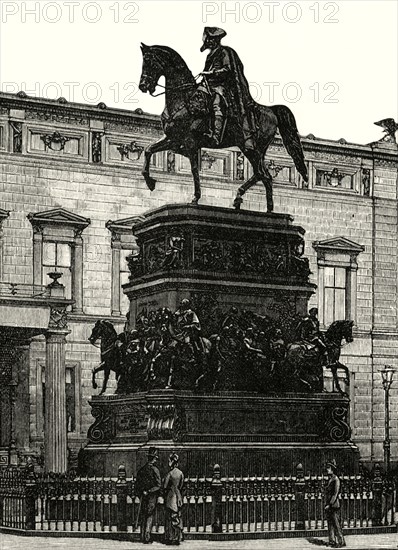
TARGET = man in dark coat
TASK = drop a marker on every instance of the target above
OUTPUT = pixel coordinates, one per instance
(332, 507)
(147, 486)
(227, 83)
(309, 331)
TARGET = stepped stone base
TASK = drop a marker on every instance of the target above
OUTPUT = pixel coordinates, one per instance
(247, 434)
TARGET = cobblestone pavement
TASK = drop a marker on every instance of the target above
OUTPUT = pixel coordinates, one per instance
(357, 542)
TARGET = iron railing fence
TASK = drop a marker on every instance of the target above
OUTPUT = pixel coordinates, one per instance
(215, 504)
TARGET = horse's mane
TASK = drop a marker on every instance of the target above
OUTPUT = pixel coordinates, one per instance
(109, 326)
(174, 58)
(331, 331)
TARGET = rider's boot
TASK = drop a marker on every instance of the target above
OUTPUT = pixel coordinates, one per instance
(215, 135)
(218, 127)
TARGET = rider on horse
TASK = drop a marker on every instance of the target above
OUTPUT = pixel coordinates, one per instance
(228, 86)
(309, 331)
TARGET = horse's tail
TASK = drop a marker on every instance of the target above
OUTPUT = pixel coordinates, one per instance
(290, 137)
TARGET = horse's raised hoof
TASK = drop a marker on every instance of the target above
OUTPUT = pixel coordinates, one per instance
(150, 181)
(95, 386)
(237, 202)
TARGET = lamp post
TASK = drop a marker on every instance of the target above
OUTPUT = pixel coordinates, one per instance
(387, 375)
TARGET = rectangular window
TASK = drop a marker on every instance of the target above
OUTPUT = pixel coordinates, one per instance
(57, 257)
(335, 294)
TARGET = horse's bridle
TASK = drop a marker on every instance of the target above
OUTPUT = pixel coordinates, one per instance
(166, 88)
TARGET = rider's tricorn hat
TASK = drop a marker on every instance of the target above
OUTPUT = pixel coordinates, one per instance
(211, 32)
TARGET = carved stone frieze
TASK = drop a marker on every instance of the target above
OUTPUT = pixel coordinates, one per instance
(386, 163)
(240, 257)
(134, 262)
(56, 117)
(335, 158)
(145, 129)
(130, 419)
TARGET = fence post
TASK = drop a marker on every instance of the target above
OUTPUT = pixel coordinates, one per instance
(216, 498)
(299, 491)
(30, 502)
(377, 488)
(121, 495)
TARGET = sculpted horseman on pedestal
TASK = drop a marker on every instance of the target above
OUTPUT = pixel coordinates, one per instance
(229, 89)
(217, 113)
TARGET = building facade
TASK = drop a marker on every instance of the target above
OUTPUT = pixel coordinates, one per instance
(71, 190)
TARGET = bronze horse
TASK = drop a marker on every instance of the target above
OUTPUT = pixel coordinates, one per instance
(307, 365)
(180, 124)
(111, 355)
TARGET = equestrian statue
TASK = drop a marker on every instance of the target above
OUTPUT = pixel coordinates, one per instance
(247, 352)
(217, 112)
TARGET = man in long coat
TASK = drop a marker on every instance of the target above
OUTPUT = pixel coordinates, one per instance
(148, 485)
(332, 507)
(227, 83)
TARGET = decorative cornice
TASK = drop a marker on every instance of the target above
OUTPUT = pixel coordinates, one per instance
(137, 121)
(58, 216)
(338, 244)
(124, 225)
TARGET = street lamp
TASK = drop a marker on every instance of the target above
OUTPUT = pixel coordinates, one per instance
(387, 375)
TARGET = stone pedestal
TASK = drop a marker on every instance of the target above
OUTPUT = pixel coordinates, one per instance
(55, 428)
(224, 262)
(247, 434)
(250, 260)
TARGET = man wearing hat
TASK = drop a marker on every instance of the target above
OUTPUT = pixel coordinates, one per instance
(229, 88)
(147, 487)
(332, 506)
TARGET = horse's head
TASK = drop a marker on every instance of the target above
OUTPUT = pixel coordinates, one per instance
(96, 332)
(340, 330)
(152, 69)
(163, 61)
(347, 331)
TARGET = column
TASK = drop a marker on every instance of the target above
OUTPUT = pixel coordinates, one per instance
(55, 429)
(22, 398)
(352, 292)
(116, 248)
(37, 255)
(77, 291)
(321, 294)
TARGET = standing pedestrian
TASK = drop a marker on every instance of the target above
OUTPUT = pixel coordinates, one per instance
(147, 486)
(172, 486)
(332, 506)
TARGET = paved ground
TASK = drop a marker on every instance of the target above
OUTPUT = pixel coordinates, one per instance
(357, 542)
